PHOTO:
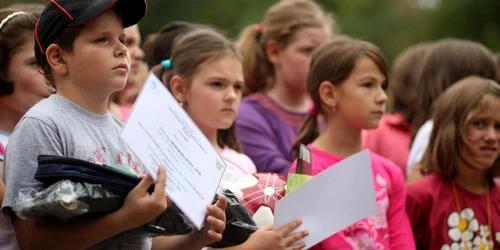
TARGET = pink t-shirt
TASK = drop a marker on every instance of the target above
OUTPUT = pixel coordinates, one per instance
(390, 140)
(390, 227)
(238, 165)
(438, 224)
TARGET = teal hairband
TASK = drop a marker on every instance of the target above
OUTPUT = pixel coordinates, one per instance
(167, 64)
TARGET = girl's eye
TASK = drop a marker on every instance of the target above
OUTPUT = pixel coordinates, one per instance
(497, 126)
(238, 87)
(101, 40)
(216, 84)
(478, 124)
(367, 85)
(308, 50)
(385, 86)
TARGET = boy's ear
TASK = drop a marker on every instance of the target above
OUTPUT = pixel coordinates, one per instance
(328, 94)
(178, 88)
(55, 58)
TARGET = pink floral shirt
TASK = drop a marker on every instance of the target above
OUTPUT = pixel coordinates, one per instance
(389, 228)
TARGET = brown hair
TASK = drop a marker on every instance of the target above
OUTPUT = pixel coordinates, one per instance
(189, 52)
(158, 46)
(446, 62)
(280, 24)
(13, 34)
(454, 110)
(334, 62)
(404, 80)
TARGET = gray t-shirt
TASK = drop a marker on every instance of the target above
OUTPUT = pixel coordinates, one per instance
(56, 126)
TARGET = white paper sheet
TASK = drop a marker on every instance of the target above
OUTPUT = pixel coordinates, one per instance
(160, 132)
(331, 201)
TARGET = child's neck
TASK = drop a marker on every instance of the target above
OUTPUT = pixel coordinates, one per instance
(289, 99)
(9, 119)
(339, 138)
(211, 135)
(96, 103)
(473, 180)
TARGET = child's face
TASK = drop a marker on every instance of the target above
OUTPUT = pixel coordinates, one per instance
(361, 97)
(133, 43)
(29, 85)
(483, 134)
(292, 62)
(214, 94)
(100, 60)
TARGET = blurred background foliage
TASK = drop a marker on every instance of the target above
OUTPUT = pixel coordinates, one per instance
(391, 24)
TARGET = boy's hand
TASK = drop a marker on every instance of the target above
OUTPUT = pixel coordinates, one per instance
(141, 207)
(267, 239)
(215, 223)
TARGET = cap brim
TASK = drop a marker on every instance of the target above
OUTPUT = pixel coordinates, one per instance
(132, 11)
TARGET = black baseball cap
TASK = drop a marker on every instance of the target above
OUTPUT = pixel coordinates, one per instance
(61, 14)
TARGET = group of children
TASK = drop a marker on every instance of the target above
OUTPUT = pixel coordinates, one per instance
(71, 73)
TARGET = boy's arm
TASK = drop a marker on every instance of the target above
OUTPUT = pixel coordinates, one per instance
(180, 242)
(77, 234)
(33, 137)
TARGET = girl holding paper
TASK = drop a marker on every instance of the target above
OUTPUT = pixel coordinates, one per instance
(347, 83)
(457, 205)
(205, 75)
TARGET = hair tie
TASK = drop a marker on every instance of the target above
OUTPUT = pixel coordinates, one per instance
(167, 64)
(260, 27)
(313, 111)
(7, 18)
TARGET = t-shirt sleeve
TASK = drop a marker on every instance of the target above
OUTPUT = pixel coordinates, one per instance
(31, 138)
(401, 235)
(259, 142)
(2, 152)
(418, 211)
(419, 146)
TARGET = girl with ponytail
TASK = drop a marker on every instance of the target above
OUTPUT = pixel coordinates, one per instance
(347, 83)
(276, 55)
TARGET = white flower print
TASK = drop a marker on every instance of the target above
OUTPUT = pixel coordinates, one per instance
(466, 245)
(463, 226)
(482, 243)
(497, 237)
(454, 246)
(484, 231)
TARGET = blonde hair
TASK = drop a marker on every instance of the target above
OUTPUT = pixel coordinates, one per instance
(454, 110)
(334, 62)
(280, 24)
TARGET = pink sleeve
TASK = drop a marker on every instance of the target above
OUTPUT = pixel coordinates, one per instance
(401, 235)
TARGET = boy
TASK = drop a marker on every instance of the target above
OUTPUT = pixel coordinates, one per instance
(79, 45)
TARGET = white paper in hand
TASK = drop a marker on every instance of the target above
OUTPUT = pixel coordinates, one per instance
(331, 201)
(160, 132)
